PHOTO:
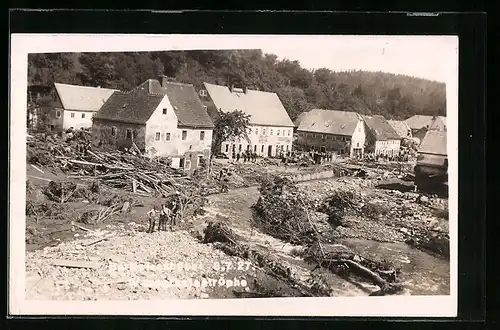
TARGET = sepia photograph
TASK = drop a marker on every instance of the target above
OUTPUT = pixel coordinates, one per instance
(244, 170)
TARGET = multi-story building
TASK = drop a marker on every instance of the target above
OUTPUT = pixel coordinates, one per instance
(270, 131)
(342, 132)
(162, 118)
(381, 138)
(74, 106)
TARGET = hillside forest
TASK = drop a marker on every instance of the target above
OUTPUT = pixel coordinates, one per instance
(300, 89)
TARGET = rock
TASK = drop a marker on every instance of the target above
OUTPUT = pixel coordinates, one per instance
(126, 207)
(423, 199)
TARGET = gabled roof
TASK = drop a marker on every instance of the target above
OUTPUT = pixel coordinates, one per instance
(381, 128)
(138, 105)
(135, 106)
(400, 126)
(264, 108)
(434, 142)
(84, 98)
(328, 122)
(438, 123)
(187, 105)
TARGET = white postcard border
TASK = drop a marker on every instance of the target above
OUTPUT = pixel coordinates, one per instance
(388, 306)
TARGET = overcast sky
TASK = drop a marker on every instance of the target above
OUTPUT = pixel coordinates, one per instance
(427, 57)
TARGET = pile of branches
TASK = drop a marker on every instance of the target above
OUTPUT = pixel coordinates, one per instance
(120, 169)
(60, 192)
(283, 212)
(223, 238)
(340, 204)
(346, 263)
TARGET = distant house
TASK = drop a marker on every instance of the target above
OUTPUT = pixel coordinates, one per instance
(421, 124)
(432, 160)
(161, 117)
(330, 130)
(381, 137)
(402, 128)
(271, 129)
(75, 105)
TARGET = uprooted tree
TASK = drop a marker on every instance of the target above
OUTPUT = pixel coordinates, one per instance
(228, 126)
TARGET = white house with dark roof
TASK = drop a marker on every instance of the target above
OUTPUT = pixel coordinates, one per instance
(162, 118)
(322, 130)
(74, 105)
(271, 129)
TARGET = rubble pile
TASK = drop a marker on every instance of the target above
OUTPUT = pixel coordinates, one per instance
(283, 212)
(223, 238)
(123, 262)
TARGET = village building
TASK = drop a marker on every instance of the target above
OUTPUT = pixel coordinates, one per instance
(74, 106)
(161, 118)
(381, 137)
(342, 132)
(39, 97)
(419, 125)
(432, 160)
(402, 128)
(270, 132)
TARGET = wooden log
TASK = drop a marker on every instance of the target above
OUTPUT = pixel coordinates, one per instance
(75, 264)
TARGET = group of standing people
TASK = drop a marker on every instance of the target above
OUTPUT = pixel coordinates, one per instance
(247, 156)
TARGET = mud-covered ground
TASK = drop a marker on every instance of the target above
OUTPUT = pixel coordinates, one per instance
(127, 263)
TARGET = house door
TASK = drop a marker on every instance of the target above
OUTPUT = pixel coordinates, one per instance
(269, 151)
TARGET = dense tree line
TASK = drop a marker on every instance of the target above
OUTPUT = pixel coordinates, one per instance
(394, 96)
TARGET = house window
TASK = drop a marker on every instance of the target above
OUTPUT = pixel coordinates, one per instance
(184, 135)
(239, 147)
(278, 133)
(83, 115)
(357, 145)
(129, 133)
(287, 148)
(227, 147)
(255, 148)
(271, 132)
(113, 131)
(205, 108)
(58, 114)
(157, 136)
(72, 115)
(202, 135)
(164, 111)
(167, 136)
(203, 92)
(256, 131)
(262, 149)
(288, 132)
(263, 131)
(188, 165)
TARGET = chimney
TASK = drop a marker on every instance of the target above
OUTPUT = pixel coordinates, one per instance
(231, 87)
